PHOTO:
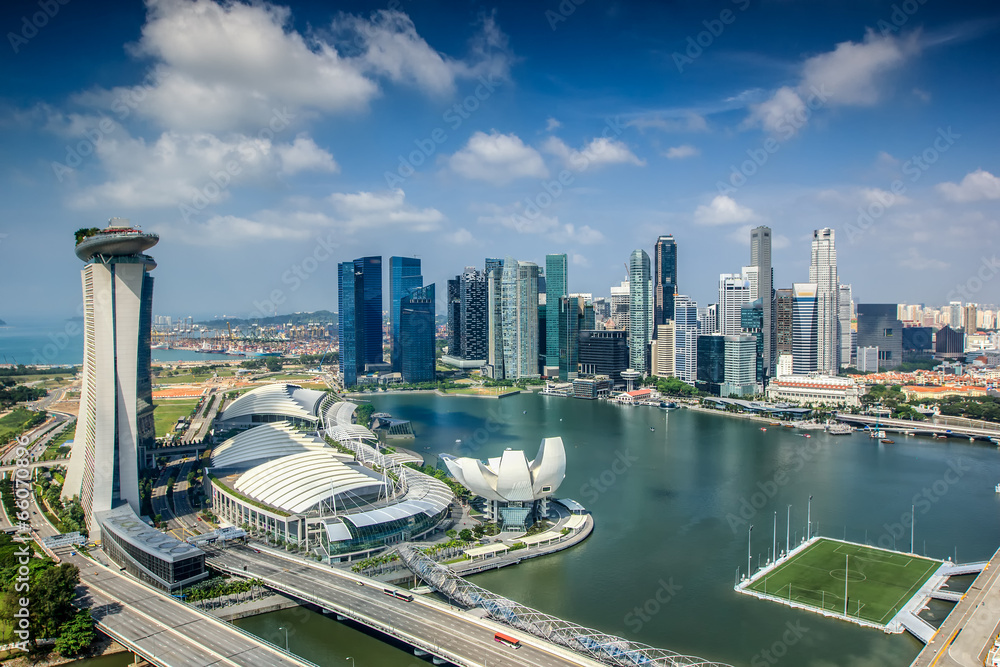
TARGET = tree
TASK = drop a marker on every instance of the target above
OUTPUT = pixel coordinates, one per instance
(273, 364)
(466, 535)
(76, 635)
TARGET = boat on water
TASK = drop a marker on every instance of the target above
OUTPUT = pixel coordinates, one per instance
(762, 428)
(774, 424)
(789, 425)
(887, 441)
(998, 488)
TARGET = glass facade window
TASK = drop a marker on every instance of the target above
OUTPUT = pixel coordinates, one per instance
(604, 352)
(711, 363)
(555, 289)
(877, 324)
(665, 280)
(404, 277)
(416, 335)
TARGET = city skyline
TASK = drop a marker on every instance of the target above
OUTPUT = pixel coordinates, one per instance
(695, 149)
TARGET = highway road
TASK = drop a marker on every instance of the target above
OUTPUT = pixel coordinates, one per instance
(38, 437)
(446, 629)
(968, 631)
(184, 513)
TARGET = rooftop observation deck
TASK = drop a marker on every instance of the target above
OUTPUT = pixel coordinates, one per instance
(116, 242)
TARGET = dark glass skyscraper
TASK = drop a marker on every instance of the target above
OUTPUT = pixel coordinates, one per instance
(711, 363)
(468, 316)
(604, 352)
(783, 321)
(664, 280)
(404, 277)
(359, 293)
(752, 323)
(760, 256)
(416, 335)
(575, 315)
(879, 327)
(555, 289)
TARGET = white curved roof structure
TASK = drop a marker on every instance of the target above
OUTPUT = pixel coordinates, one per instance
(268, 441)
(299, 482)
(343, 432)
(511, 477)
(288, 400)
(341, 413)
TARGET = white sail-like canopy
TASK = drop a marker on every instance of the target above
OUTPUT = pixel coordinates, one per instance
(511, 477)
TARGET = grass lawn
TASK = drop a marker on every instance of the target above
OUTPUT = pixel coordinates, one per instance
(57, 449)
(879, 582)
(169, 411)
(480, 391)
(13, 422)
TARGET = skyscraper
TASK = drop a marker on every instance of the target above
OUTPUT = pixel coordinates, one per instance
(804, 323)
(686, 331)
(453, 306)
(845, 315)
(879, 327)
(665, 279)
(739, 368)
(555, 290)
(760, 256)
(735, 291)
(416, 335)
(640, 311)
(468, 319)
(620, 303)
(663, 355)
(823, 273)
(711, 363)
(783, 319)
(518, 309)
(115, 425)
(969, 318)
(494, 295)
(752, 324)
(576, 314)
(359, 291)
(404, 277)
(604, 353)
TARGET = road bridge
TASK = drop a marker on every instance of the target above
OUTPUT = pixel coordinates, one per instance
(920, 427)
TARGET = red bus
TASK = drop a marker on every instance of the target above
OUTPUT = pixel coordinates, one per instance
(507, 641)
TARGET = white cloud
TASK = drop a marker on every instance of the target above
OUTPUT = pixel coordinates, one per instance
(976, 186)
(723, 210)
(225, 66)
(515, 218)
(686, 122)
(681, 152)
(576, 259)
(461, 236)
(850, 75)
(369, 210)
(227, 230)
(304, 155)
(600, 151)
(912, 259)
(552, 124)
(497, 159)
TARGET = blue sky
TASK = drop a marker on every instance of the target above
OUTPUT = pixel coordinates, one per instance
(266, 142)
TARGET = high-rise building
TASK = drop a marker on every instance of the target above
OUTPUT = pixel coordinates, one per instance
(970, 318)
(804, 322)
(686, 330)
(359, 291)
(468, 319)
(453, 306)
(576, 314)
(949, 343)
(847, 333)
(711, 363)
(602, 308)
(752, 324)
(664, 279)
(823, 273)
(404, 277)
(621, 297)
(416, 335)
(555, 290)
(735, 290)
(519, 318)
(740, 366)
(954, 312)
(114, 430)
(867, 359)
(783, 321)
(708, 319)
(640, 310)
(663, 355)
(879, 327)
(760, 257)
(604, 352)
(494, 291)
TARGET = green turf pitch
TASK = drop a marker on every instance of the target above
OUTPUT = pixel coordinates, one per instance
(881, 582)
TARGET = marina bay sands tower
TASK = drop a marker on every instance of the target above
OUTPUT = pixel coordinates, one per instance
(115, 424)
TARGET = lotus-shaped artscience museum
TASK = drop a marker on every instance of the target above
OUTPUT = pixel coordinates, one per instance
(512, 485)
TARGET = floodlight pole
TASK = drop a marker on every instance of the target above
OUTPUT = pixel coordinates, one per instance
(788, 528)
(913, 524)
(774, 539)
(809, 519)
(749, 557)
(847, 578)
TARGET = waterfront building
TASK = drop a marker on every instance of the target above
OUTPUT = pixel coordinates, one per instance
(664, 279)
(592, 388)
(519, 319)
(752, 324)
(711, 363)
(114, 432)
(783, 321)
(783, 367)
(555, 289)
(804, 336)
(359, 291)
(740, 366)
(416, 335)
(879, 327)
(760, 257)
(868, 359)
(494, 352)
(686, 331)
(621, 298)
(823, 273)
(604, 352)
(278, 402)
(576, 314)
(640, 310)
(663, 356)
(816, 389)
(735, 291)
(517, 491)
(848, 334)
(453, 310)
(404, 277)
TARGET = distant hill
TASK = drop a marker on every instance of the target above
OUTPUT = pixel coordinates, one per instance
(2, 323)
(317, 317)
